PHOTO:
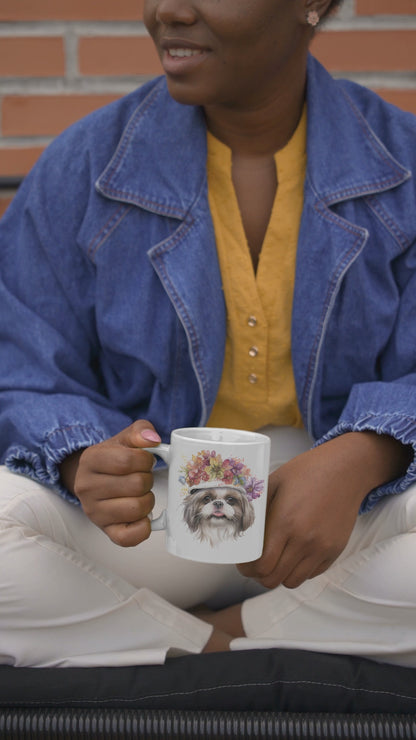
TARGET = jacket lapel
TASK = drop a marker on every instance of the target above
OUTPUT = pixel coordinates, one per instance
(188, 268)
(159, 166)
(345, 160)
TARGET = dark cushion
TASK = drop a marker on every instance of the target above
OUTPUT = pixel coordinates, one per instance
(254, 680)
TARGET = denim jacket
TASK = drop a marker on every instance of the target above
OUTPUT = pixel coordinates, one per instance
(111, 306)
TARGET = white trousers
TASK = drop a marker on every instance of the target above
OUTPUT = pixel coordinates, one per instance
(69, 596)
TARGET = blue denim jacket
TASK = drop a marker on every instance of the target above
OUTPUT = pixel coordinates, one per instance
(111, 307)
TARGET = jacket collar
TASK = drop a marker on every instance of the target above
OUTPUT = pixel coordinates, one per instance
(154, 165)
(346, 159)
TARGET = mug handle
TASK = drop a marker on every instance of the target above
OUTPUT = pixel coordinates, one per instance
(162, 451)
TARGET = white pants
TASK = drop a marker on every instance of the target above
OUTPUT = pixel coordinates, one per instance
(69, 596)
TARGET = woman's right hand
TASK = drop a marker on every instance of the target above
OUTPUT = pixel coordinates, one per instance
(113, 481)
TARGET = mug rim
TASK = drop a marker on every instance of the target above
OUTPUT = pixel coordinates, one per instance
(189, 434)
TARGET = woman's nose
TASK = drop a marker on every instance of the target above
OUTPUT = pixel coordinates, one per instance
(175, 11)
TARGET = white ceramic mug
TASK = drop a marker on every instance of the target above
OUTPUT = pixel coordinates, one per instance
(217, 494)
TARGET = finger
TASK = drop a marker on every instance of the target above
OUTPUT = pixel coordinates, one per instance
(289, 559)
(293, 570)
(302, 572)
(117, 460)
(127, 486)
(129, 535)
(260, 569)
(266, 564)
(322, 568)
(249, 570)
(139, 434)
(100, 487)
(287, 566)
(122, 511)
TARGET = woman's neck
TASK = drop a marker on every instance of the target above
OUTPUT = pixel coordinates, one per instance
(262, 128)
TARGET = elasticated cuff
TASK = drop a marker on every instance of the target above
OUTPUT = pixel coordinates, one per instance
(43, 466)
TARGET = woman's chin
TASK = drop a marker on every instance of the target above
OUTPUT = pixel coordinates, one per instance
(185, 93)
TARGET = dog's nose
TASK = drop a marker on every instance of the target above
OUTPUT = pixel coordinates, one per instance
(218, 504)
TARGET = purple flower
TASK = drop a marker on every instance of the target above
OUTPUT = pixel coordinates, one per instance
(254, 488)
(236, 467)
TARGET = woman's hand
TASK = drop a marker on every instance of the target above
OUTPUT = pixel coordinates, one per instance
(314, 500)
(113, 482)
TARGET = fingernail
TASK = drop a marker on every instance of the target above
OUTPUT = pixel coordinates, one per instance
(151, 435)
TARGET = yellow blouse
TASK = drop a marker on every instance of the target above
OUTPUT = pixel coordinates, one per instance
(257, 385)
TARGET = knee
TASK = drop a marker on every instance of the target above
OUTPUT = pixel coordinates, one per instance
(407, 503)
(19, 499)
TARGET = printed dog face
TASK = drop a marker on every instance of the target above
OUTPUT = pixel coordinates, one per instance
(218, 514)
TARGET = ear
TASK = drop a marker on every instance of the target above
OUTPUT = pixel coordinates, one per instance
(248, 513)
(318, 7)
(190, 511)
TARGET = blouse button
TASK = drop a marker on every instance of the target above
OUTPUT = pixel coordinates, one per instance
(253, 351)
(252, 378)
(252, 321)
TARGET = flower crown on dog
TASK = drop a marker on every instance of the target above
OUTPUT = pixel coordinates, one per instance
(208, 470)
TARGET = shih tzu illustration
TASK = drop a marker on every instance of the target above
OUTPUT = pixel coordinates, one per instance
(216, 513)
(218, 497)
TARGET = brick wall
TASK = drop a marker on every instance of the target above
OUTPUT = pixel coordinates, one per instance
(60, 59)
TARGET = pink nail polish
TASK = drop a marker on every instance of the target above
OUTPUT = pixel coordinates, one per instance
(151, 435)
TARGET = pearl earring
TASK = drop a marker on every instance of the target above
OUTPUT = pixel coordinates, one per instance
(313, 18)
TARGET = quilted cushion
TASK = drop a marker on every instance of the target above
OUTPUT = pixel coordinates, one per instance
(256, 680)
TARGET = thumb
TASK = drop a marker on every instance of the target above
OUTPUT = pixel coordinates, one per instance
(139, 434)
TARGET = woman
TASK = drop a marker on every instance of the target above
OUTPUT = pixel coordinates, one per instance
(148, 268)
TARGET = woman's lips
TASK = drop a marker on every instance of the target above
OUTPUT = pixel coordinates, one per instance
(180, 53)
(177, 59)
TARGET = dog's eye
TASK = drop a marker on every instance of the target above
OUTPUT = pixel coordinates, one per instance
(231, 500)
(207, 498)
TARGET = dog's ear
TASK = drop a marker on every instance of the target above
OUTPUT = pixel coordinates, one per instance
(248, 513)
(190, 511)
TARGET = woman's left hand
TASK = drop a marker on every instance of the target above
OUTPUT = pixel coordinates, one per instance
(313, 504)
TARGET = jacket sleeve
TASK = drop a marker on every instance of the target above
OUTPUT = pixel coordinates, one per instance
(52, 397)
(388, 405)
(385, 408)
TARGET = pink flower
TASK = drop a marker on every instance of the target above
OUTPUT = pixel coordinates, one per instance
(208, 465)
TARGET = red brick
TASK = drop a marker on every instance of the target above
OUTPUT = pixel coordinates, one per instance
(5, 201)
(18, 160)
(385, 7)
(405, 99)
(32, 56)
(118, 55)
(367, 51)
(70, 10)
(46, 115)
